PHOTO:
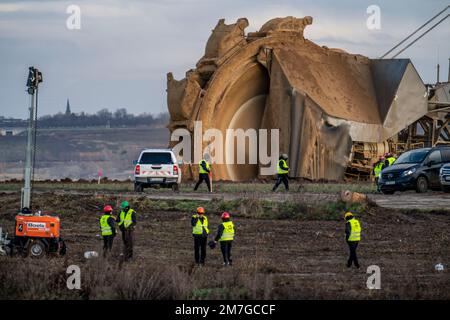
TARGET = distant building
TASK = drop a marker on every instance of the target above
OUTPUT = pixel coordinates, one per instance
(12, 123)
(68, 111)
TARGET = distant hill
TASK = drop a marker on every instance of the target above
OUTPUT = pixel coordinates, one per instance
(79, 153)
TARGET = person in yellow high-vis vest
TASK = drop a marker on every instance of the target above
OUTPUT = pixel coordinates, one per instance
(107, 229)
(200, 233)
(390, 159)
(352, 236)
(127, 222)
(282, 173)
(225, 236)
(377, 168)
(204, 171)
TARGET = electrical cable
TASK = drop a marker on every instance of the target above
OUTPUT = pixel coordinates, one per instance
(423, 34)
(408, 37)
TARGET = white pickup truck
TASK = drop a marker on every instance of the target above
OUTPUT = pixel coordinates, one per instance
(156, 168)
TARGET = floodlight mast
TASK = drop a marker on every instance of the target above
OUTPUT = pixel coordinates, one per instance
(34, 78)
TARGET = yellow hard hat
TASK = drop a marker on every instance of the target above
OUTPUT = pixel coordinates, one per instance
(348, 214)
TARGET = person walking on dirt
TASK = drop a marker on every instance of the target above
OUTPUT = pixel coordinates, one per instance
(282, 173)
(204, 171)
(127, 223)
(200, 233)
(352, 236)
(225, 235)
(390, 159)
(108, 229)
(377, 168)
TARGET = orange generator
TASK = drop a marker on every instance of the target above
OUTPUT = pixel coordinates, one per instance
(37, 226)
(37, 235)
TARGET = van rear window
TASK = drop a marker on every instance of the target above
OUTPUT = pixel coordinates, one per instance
(156, 158)
(445, 154)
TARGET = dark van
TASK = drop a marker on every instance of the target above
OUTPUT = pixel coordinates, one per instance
(415, 170)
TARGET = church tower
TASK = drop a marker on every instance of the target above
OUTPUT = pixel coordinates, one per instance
(68, 111)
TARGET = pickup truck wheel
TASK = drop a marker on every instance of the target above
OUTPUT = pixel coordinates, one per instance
(175, 187)
(138, 187)
(37, 249)
(387, 191)
(421, 185)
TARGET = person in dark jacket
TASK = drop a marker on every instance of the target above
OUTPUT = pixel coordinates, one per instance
(108, 229)
(200, 233)
(282, 173)
(225, 236)
(127, 222)
(352, 236)
(204, 171)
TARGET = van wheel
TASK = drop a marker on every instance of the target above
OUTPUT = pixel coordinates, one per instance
(175, 187)
(37, 249)
(421, 184)
(138, 187)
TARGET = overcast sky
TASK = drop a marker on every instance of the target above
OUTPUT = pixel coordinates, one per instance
(124, 49)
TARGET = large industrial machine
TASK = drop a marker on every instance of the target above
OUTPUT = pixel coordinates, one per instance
(35, 235)
(432, 129)
(336, 112)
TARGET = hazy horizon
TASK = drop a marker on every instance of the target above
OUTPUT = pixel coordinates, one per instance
(62, 111)
(124, 49)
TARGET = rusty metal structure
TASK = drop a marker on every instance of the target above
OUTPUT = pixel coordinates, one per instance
(336, 112)
(431, 130)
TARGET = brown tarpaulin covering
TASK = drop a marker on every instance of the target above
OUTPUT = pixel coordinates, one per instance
(341, 84)
(316, 150)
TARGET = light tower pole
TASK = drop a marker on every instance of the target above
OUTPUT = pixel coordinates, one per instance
(34, 78)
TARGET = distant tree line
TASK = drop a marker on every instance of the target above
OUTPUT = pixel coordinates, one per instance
(12, 123)
(103, 118)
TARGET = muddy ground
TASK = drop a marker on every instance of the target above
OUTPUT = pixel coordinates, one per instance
(273, 258)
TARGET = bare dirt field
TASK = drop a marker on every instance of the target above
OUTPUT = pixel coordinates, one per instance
(310, 193)
(283, 250)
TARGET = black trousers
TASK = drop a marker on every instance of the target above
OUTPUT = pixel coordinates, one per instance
(200, 249)
(203, 177)
(127, 238)
(282, 178)
(352, 245)
(225, 247)
(107, 244)
(376, 183)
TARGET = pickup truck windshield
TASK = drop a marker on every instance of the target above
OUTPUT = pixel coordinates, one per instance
(156, 158)
(413, 156)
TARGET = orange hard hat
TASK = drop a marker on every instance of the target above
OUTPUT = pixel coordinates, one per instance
(107, 208)
(201, 210)
(225, 215)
